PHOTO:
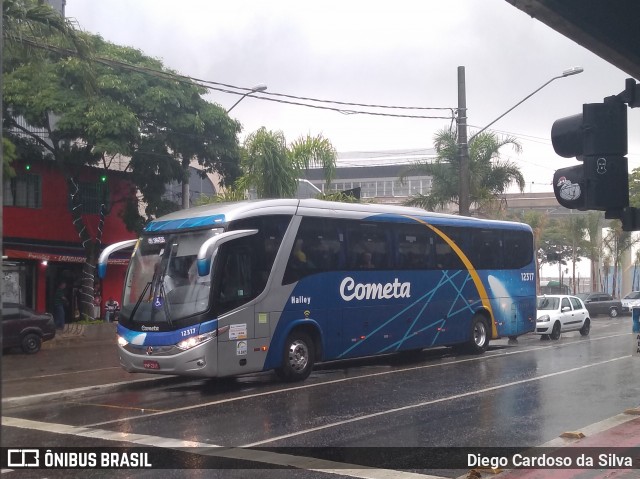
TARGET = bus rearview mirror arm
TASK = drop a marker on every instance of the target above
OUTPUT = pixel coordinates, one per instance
(208, 247)
(104, 256)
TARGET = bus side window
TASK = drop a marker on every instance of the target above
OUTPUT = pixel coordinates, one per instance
(364, 240)
(518, 249)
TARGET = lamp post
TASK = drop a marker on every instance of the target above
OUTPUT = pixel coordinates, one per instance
(463, 143)
(185, 182)
(253, 90)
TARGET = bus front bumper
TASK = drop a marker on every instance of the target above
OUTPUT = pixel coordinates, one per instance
(201, 360)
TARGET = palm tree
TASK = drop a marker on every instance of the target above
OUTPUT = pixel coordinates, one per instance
(576, 228)
(593, 245)
(273, 168)
(26, 24)
(618, 242)
(490, 175)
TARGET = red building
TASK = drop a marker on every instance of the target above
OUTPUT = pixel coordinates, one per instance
(41, 246)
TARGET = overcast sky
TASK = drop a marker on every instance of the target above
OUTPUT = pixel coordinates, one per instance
(404, 53)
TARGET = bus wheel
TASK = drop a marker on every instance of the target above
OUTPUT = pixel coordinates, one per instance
(479, 335)
(297, 360)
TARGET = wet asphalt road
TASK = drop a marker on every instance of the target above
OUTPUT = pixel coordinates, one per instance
(522, 394)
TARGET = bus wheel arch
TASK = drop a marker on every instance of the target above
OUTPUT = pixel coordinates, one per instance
(300, 352)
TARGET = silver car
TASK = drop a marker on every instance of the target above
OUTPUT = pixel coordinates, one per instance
(559, 313)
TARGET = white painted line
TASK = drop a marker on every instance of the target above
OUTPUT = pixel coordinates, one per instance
(61, 374)
(36, 398)
(288, 389)
(428, 403)
(207, 449)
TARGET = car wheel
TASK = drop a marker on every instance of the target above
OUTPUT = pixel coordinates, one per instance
(297, 360)
(613, 312)
(586, 327)
(479, 335)
(31, 343)
(555, 332)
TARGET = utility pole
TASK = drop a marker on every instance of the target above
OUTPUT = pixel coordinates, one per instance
(463, 147)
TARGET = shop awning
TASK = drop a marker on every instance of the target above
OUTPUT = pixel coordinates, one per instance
(70, 257)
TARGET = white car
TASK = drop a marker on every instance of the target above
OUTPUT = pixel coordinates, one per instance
(630, 300)
(559, 313)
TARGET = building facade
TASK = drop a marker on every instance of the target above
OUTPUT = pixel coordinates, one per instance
(41, 246)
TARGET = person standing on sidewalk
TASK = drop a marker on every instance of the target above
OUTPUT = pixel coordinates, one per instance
(59, 302)
(111, 310)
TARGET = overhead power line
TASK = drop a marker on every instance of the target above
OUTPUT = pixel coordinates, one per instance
(267, 96)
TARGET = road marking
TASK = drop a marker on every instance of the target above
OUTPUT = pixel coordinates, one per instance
(207, 449)
(61, 374)
(113, 406)
(484, 357)
(428, 403)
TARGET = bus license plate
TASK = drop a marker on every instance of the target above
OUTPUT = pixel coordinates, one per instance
(150, 364)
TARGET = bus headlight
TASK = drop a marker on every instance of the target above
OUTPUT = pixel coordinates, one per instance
(122, 342)
(544, 318)
(193, 341)
(202, 338)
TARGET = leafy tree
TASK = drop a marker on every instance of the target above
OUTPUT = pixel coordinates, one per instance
(538, 221)
(555, 246)
(273, 168)
(8, 155)
(490, 175)
(137, 114)
(634, 188)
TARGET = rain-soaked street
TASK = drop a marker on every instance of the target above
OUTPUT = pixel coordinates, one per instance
(520, 394)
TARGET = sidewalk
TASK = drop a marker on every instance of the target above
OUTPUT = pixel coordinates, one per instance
(79, 360)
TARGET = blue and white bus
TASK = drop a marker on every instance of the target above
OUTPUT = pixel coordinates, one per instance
(234, 288)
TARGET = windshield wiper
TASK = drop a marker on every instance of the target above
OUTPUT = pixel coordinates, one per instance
(135, 308)
(165, 304)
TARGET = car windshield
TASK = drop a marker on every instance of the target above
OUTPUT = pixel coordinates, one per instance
(633, 295)
(582, 296)
(547, 303)
(162, 282)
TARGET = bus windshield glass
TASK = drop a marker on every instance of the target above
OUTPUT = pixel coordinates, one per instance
(162, 284)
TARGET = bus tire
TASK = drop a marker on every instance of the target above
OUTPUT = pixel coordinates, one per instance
(297, 358)
(479, 335)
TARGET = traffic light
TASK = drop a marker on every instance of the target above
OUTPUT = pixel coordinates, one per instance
(598, 138)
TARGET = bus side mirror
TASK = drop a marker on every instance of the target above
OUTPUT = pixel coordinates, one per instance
(104, 256)
(209, 247)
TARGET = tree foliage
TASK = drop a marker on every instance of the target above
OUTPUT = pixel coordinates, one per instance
(82, 101)
(273, 167)
(154, 123)
(490, 175)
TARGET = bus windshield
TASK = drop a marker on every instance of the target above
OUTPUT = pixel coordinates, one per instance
(162, 283)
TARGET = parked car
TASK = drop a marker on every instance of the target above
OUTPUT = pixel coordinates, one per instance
(630, 300)
(559, 313)
(601, 303)
(24, 328)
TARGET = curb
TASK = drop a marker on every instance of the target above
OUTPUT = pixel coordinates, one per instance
(84, 391)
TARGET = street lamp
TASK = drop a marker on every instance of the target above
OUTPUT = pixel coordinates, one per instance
(463, 143)
(253, 90)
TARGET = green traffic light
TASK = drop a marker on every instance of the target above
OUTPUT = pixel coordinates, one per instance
(103, 179)
(27, 167)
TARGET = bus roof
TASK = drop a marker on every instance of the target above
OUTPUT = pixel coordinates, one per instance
(219, 214)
